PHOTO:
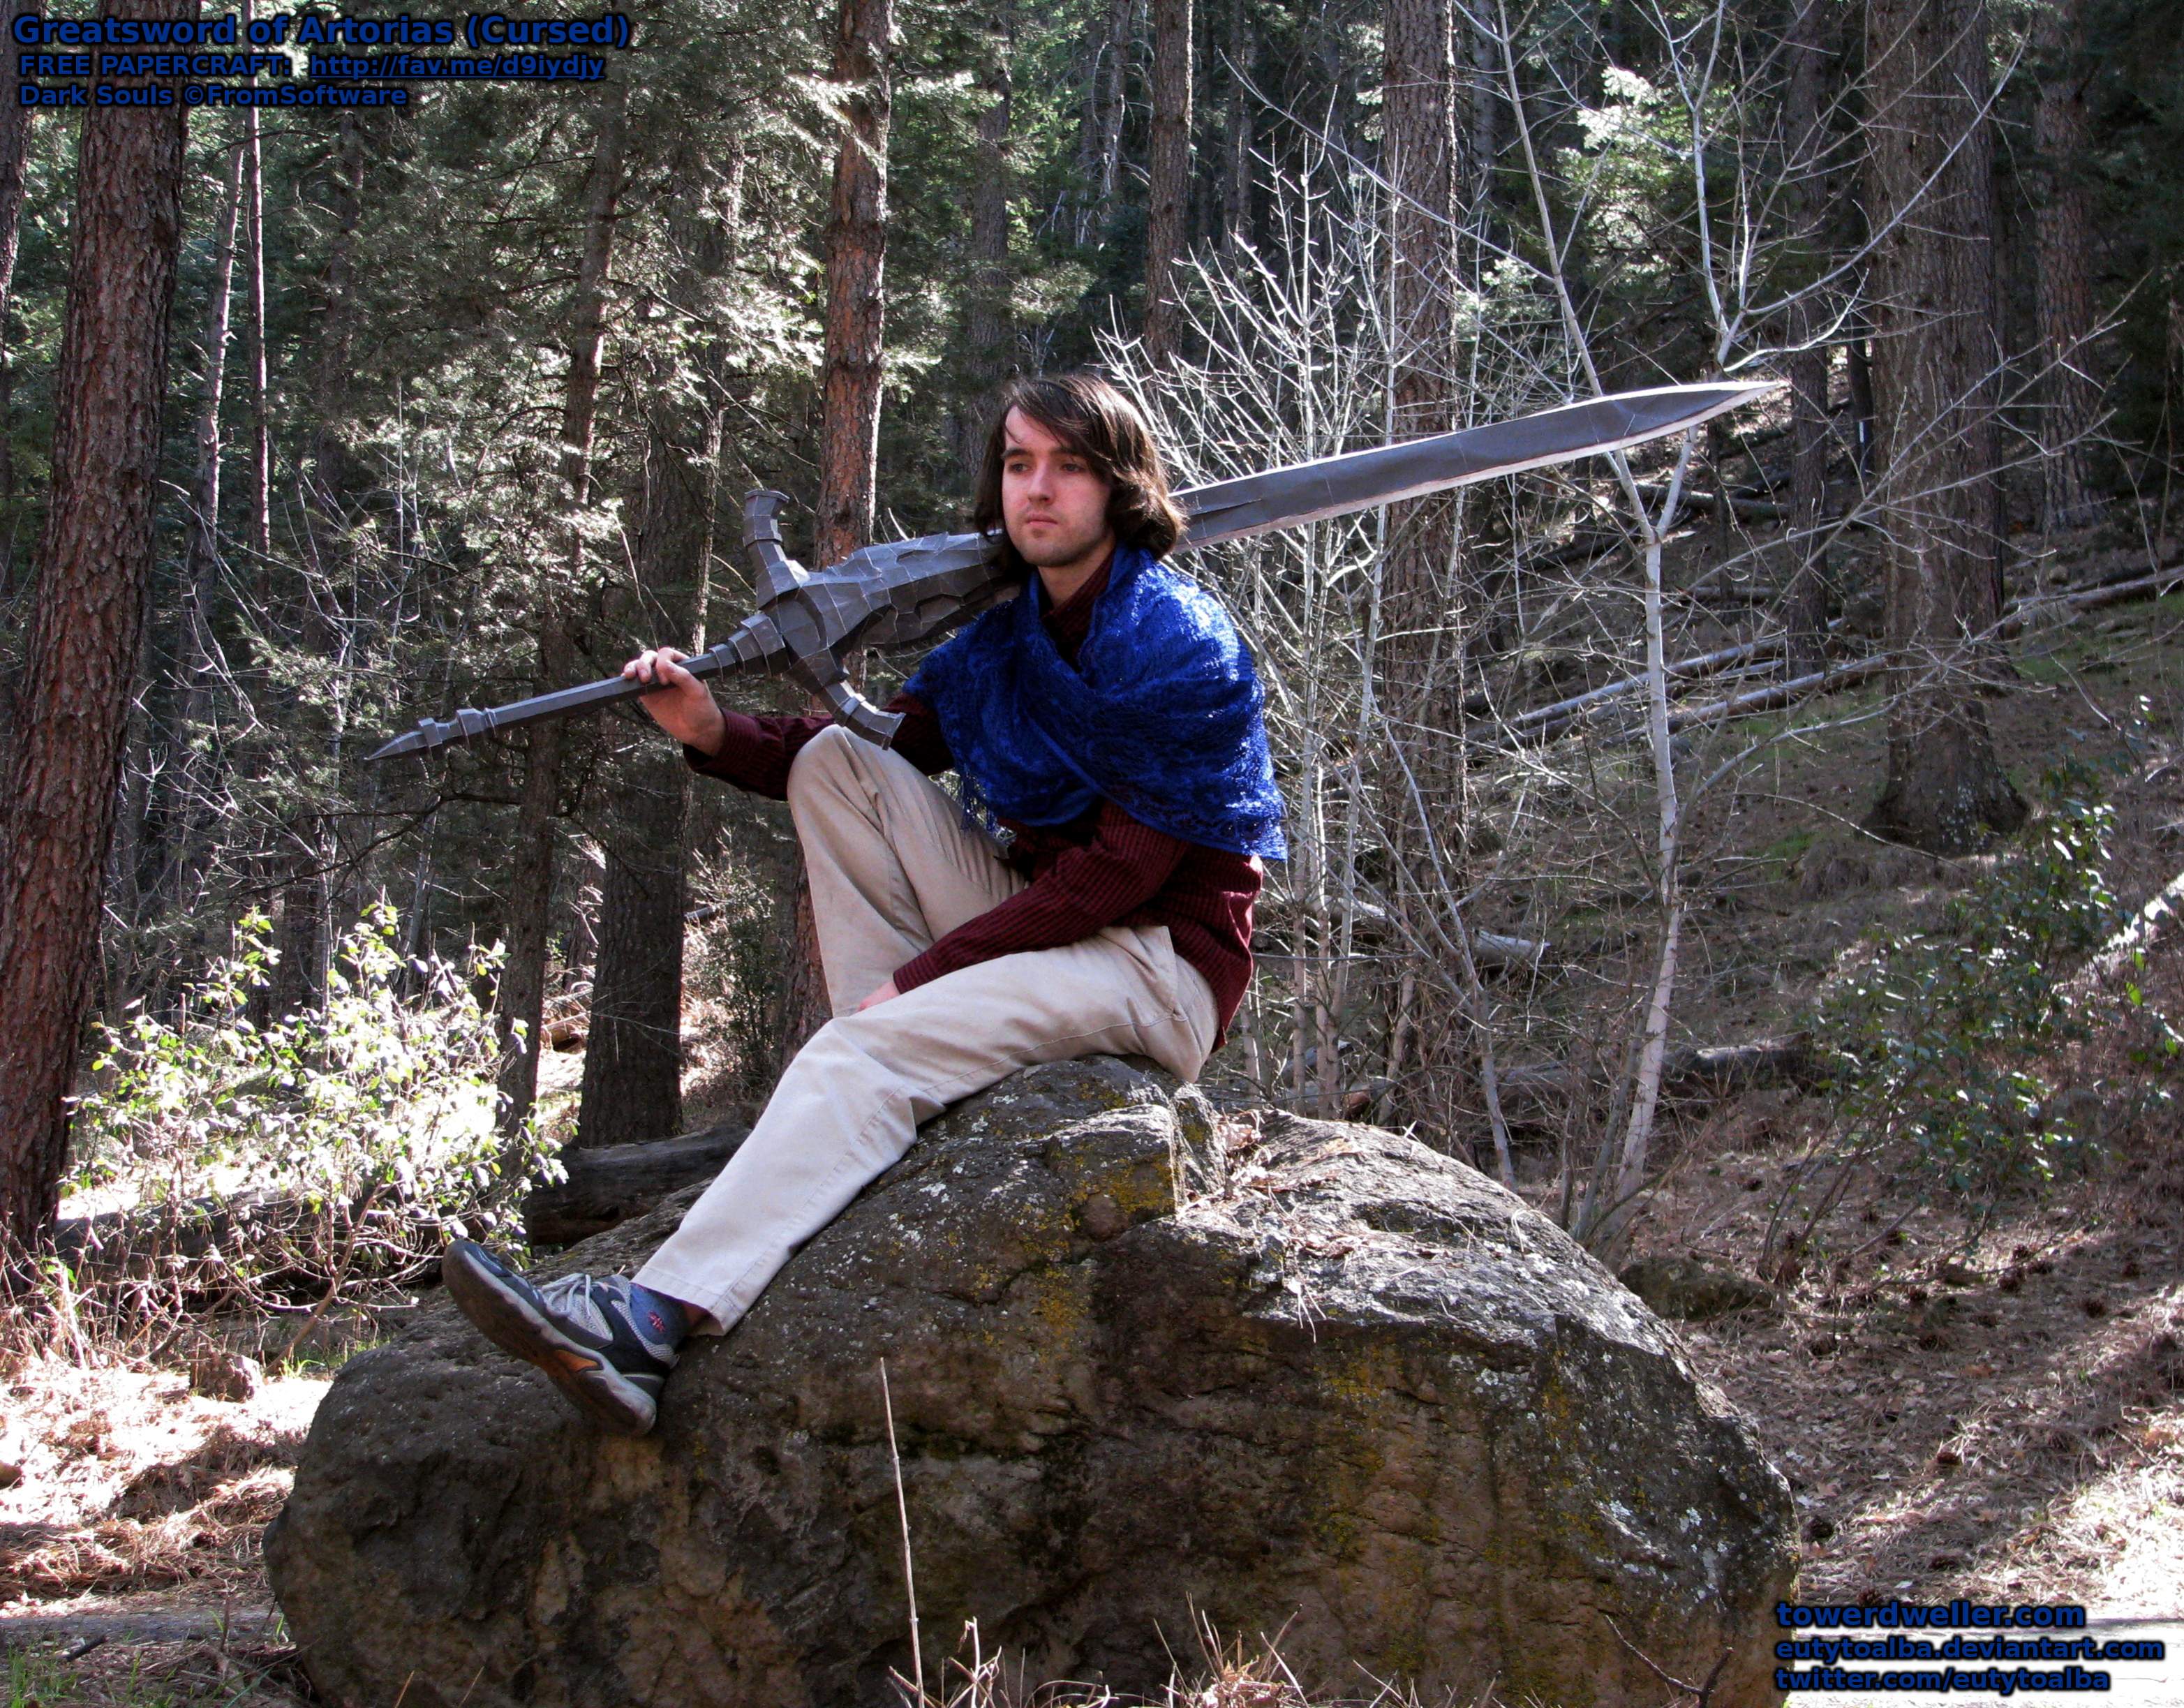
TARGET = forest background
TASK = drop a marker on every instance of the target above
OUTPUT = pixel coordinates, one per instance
(456, 403)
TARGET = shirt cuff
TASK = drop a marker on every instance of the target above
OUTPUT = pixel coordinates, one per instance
(921, 969)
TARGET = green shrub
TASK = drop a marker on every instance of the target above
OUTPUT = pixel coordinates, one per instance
(294, 1164)
(1935, 1044)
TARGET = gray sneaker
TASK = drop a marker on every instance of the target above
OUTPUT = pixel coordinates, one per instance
(581, 1330)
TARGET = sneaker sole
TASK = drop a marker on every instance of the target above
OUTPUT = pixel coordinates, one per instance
(598, 1390)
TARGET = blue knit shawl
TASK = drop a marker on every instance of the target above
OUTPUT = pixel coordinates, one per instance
(1160, 715)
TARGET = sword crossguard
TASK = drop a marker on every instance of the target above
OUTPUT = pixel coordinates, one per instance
(785, 594)
(778, 573)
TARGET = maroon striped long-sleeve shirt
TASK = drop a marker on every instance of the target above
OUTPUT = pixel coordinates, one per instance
(1104, 868)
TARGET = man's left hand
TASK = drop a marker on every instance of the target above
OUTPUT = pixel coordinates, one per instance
(879, 996)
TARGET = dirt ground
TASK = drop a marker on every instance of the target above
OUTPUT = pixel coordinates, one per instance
(129, 1567)
(1992, 1408)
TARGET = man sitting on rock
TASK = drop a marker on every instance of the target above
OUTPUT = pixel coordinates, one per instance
(1091, 893)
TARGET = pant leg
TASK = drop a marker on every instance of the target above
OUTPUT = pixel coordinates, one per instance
(849, 1104)
(893, 866)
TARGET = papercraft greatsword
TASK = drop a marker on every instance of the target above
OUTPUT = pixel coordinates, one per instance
(808, 622)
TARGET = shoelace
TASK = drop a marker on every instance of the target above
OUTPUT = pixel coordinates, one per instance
(577, 1294)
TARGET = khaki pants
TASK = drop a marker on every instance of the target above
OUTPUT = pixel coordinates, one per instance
(893, 868)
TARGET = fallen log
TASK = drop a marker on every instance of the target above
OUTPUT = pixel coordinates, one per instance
(1536, 1093)
(279, 1243)
(609, 1183)
(2134, 939)
(1777, 694)
(2161, 583)
(1491, 951)
(2022, 614)
(1744, 510)
(1562, 712)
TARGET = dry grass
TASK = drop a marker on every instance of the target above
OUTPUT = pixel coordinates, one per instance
(129, 1481)
(1229, 1675)
(170, 1675)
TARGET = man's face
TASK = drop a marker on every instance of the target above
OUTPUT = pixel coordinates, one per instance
(1053, 503)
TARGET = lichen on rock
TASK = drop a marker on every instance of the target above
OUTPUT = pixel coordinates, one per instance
(1333, 1385)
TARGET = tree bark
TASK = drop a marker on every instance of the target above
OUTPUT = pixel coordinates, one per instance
(1936, 368)
(1237, 165)
(336, 343)
(1485, 136)
(2065, 242)
(1417, 665)
(308, 896)
(1805, 604)
(522, 994)
(1167, 172)
(15, 145)
(1122, 20)
(856, 255)
(1418, 141)
(1858, 370)
(633, 1087)
(87, 626)
(989, 319)
(201, 562)
(261, 432)
(849, 441)
(633, 1054)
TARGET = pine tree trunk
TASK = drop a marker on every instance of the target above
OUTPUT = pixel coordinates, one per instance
(2065, 242)
(1167, 174)
(14, 144)
(522, 995)
(334, 348)
(1935, 364)
(1483, 148)
(1805, 605)
(1419, 143)
(632, 1088)
(989, 328)
(200, 650)
(1122, 20)
(1418, 663)
(856, 255)
(261, 432)
(849, 436)
(1858, 370)
(300, 936)
(1237, 165)
(87, 626)
(306, 935)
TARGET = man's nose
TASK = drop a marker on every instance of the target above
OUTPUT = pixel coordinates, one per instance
(1039, 483)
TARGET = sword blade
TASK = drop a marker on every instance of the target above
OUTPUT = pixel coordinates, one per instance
(1337, 485)
(920, 587)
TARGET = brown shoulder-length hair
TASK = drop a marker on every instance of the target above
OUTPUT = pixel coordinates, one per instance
(1090, 415)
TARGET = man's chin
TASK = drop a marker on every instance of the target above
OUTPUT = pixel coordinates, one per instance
(1049, 554)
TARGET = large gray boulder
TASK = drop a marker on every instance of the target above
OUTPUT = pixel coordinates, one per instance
(1147, 1379)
